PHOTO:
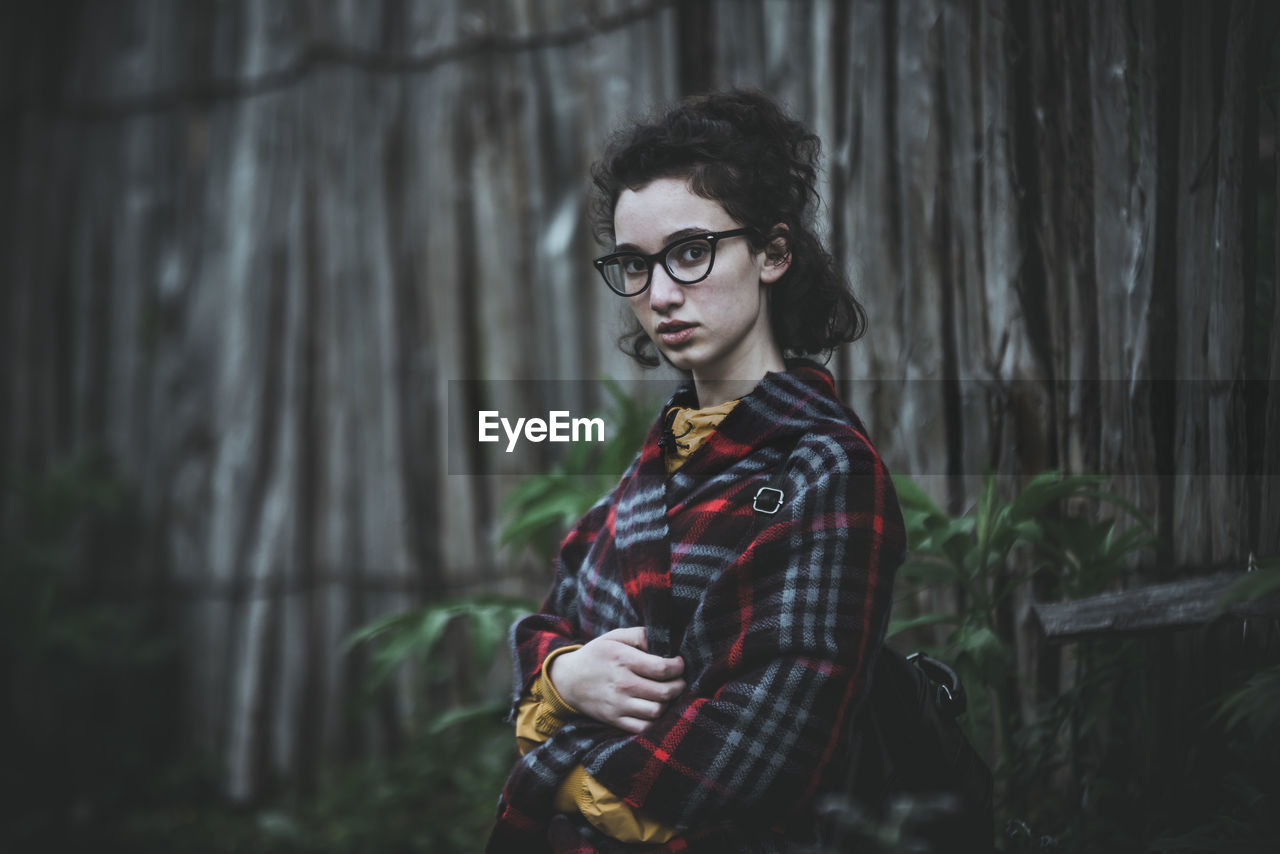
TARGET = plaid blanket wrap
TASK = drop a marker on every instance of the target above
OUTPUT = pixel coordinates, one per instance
(776, 618)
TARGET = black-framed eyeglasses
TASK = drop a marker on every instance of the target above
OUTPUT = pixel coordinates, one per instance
(687, 261)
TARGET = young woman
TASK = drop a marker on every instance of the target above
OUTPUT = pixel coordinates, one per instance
(689, 681)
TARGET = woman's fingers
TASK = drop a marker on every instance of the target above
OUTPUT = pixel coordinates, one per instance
(662, 692)
(655, 667)
(632, 636)
(640, 714)
(645, 710)
(635, 726)
(640, 662)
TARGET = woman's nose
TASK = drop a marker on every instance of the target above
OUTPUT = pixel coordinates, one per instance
(664, 291)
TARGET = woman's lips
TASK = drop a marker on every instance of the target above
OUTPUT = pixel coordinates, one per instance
(675, 332)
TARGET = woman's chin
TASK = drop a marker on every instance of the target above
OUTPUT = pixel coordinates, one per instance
(678, 357)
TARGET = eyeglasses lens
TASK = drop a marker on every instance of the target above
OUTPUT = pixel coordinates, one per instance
(686, 262)
(626, 274)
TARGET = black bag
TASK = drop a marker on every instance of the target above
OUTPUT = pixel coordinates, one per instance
(908, 753)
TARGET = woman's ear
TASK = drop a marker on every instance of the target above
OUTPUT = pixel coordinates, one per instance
(777, 254)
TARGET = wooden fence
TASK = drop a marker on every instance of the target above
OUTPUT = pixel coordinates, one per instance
(249, 245)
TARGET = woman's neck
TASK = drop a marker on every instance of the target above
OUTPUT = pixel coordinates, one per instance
(715, 390)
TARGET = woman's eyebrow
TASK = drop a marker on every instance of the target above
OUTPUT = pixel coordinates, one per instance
(666, 241)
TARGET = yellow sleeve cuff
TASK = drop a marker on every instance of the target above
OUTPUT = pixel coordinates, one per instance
(543, 710)
(556, 710)
(527, 735)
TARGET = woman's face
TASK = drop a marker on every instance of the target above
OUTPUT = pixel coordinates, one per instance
(717, 328)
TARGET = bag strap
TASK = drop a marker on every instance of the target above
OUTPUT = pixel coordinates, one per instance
(948, 690)
(770, 498)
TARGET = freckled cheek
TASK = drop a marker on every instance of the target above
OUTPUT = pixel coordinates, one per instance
(640, 308)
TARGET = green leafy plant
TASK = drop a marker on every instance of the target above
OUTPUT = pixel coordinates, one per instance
(1255, 706)
(542, 508)
(972, 550)
(38, 552)
(972, 553)
(413, 643)
(985, 556)
(85, 712)
(437, 794)
(1261, 581)
(1239, 804)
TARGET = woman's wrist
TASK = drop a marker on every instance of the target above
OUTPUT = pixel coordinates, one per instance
(554, 697)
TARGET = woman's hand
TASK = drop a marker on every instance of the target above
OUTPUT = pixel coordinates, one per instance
(613, 680)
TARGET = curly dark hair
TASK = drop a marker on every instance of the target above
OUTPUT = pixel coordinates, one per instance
(739, 148)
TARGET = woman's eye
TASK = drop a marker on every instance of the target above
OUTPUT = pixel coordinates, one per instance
(634, 266)
(692, 253)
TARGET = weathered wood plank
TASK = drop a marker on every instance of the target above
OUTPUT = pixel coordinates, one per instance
(1156, 607)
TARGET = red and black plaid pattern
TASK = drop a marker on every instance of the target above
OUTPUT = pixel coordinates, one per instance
(776, 618)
